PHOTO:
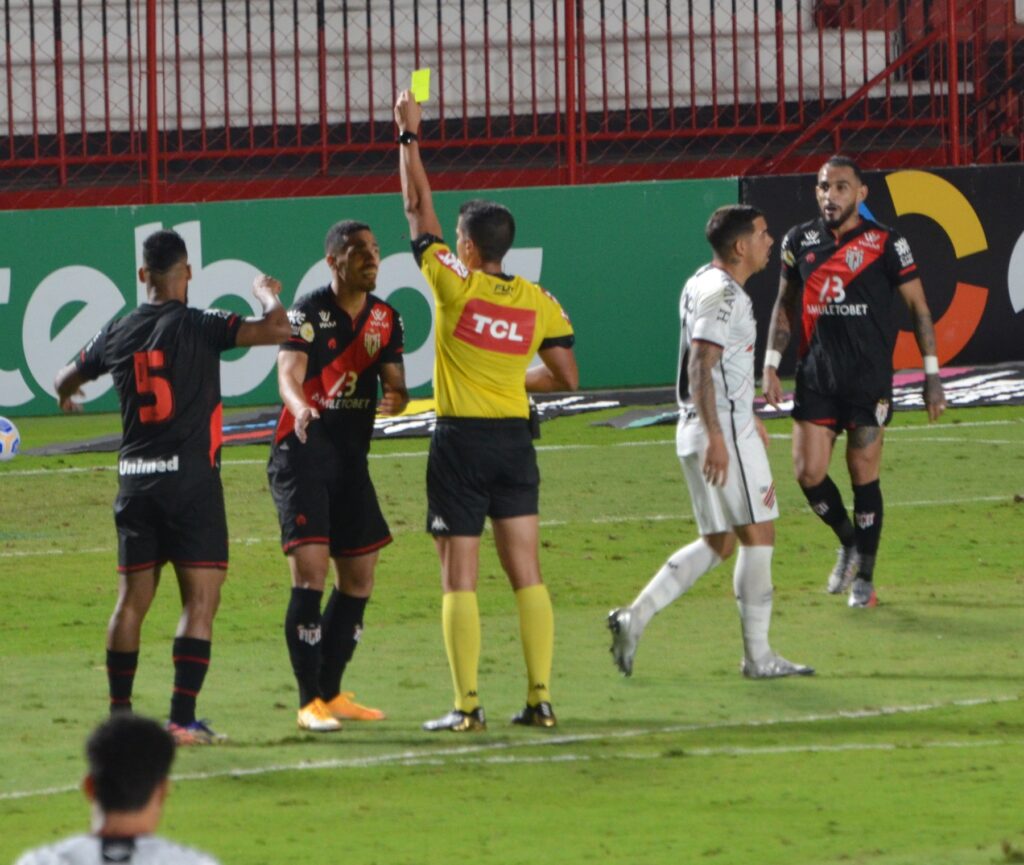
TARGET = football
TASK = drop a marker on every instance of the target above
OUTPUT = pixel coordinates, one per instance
(10, 441)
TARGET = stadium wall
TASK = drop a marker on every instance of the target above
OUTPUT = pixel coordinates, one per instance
(966, 229)
(614, 255)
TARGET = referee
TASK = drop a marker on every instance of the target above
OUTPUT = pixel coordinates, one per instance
(482, 462)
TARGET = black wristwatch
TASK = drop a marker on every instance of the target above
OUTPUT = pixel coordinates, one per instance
(408, 137)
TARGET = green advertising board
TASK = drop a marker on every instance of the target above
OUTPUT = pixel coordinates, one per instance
(615, 256)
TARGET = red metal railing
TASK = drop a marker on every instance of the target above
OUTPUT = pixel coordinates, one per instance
(168, 100)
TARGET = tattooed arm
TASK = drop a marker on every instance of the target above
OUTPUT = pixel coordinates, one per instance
(703, 357)
(913, 295)
(785, 315)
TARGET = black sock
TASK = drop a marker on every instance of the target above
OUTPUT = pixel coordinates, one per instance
(191, 661)
(343, 625)
(302, 632)
(827, 502)
(120, 679)
(867, 512)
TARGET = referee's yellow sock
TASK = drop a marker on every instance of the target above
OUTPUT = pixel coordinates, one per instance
(460, 620)
(537, 631)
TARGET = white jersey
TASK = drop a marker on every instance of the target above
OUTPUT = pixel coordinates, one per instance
(92, 850)
(715, 308)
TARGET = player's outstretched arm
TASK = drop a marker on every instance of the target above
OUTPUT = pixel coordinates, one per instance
(68, 385)
(559, 372)
(784, 313)
(704, 357)
(921, 317)
(396, 395)
(291, 373)
(273, 327)
(416, 196)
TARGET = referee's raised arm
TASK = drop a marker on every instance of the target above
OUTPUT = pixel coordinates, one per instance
(416, 197)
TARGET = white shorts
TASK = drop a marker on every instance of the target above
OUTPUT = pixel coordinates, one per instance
(749, 492)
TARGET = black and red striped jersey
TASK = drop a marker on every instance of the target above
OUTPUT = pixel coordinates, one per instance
(344, 357)
(165, 363)
(848, 304)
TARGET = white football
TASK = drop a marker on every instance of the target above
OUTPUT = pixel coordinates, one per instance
(10, 440)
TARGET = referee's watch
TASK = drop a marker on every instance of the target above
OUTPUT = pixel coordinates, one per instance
(408, 137)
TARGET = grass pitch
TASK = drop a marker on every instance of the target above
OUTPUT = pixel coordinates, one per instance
(907, 747)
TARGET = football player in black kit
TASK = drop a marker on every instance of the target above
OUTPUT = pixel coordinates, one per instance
(164, 358)
(343, 340)
(842, 276)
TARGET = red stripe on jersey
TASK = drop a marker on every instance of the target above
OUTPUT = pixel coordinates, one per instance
(216, 432)
(343, 372)
(503, 329)
(828, 283)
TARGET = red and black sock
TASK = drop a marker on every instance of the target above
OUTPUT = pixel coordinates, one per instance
(191, 661)
(303, 633)
(867, 513)
(343, 625)
(827, 502)
(121, 678)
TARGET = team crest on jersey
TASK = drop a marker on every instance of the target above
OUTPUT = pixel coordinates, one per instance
(811, 238)
(854, 258)
(450, 260)
(371, 342)
(326, 320)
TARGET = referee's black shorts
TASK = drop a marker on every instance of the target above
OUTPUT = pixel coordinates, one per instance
(187, 527)
(478, 468)
(325, 496)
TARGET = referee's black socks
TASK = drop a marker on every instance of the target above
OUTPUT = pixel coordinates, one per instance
(303, 633)
(827, 502)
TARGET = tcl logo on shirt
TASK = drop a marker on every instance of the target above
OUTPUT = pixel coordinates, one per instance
(496, 328)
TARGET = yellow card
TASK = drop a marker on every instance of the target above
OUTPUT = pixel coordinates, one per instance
(421, 85)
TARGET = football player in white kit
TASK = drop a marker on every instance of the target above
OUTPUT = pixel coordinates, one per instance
(721, 446)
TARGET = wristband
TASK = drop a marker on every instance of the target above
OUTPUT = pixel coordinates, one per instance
(931, 364)
(772, 358)
(408, 138)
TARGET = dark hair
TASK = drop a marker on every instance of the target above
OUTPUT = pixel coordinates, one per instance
(490, 226)
(128, 758)
(162, 250)
(728, 224)
(840, 161)
(337, 234)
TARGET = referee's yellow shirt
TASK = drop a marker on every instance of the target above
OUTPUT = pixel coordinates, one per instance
(487, 330)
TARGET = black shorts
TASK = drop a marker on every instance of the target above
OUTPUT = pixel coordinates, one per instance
(477, 468)
(839, 413)
(186, 527)
(324, 496)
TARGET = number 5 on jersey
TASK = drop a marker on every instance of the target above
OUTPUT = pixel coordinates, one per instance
(149, 381)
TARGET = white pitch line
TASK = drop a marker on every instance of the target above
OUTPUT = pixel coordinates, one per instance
(541, 448)
(458, 752)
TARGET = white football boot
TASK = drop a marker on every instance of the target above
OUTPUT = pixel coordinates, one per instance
(773, 666)
(625, 638)
(844, 571)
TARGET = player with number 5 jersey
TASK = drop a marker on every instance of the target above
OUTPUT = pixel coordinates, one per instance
(164, 358)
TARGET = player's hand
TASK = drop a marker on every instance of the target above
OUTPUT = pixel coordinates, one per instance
(266, 285)
(716, 461)
(934, 397)
(392, 403)
(68, 405)
(771, 387)
(302, 421)
(408, 113)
